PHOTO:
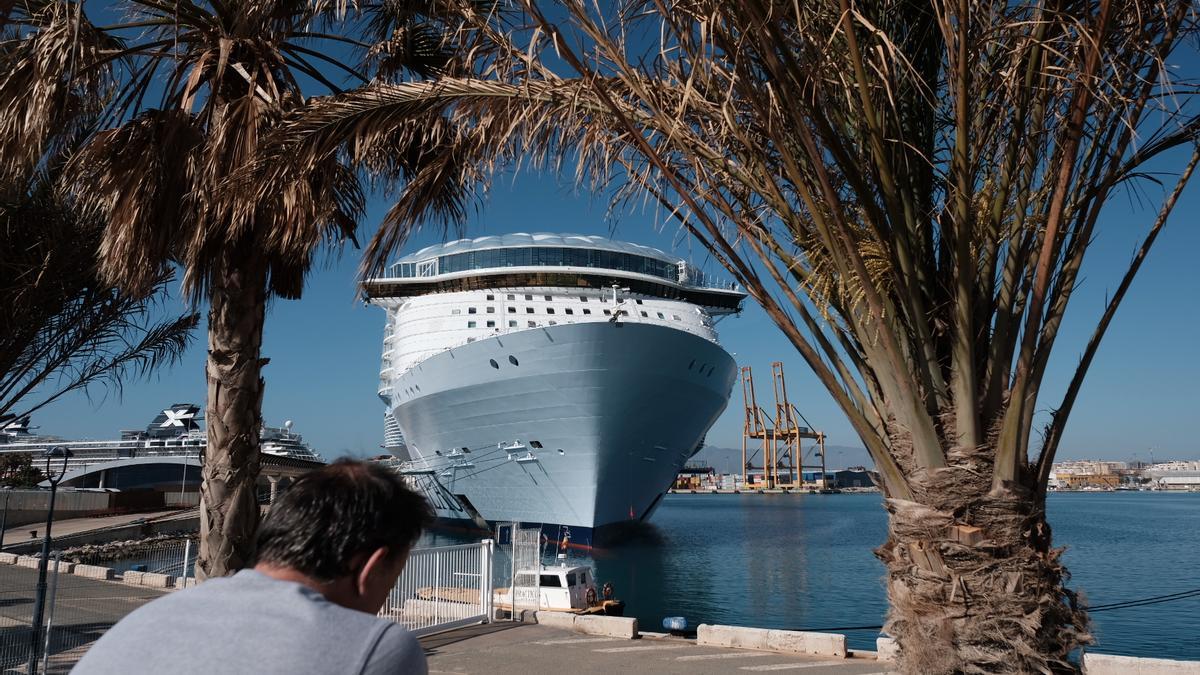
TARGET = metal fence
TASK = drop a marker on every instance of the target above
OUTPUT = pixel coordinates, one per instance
(78, 610)
(443, 588)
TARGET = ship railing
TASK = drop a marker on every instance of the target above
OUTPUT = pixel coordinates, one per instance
(443, 588)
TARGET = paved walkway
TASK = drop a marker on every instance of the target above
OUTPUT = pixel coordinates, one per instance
(64, 528)
(83, 609)
(530, 649)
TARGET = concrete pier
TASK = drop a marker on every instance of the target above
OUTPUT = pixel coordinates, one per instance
(521, 649)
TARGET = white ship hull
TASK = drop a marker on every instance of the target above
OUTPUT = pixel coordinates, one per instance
(616, 407)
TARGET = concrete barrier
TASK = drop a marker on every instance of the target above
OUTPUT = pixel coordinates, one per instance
(156, 580)
(28, 561)
(95, 572)
(132, 577)
(887, 649)
(8, 558)
(557, 619)
(611, 626)
(1110, 664)
(763, 639)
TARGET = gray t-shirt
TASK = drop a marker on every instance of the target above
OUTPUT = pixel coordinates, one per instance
(251, 623)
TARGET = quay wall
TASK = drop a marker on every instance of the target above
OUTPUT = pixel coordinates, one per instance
(27, 507)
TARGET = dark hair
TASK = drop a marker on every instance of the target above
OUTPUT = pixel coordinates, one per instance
(334, 513)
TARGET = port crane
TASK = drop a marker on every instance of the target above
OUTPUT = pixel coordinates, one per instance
(776, 442)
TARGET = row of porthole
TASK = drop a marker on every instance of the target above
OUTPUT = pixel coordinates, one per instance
(511, 359)
(710, 368)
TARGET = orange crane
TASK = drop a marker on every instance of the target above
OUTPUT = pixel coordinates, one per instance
(779, 439)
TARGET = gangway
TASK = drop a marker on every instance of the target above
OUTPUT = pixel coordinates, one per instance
(779, 439)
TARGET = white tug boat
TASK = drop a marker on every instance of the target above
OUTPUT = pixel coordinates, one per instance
(552, 379)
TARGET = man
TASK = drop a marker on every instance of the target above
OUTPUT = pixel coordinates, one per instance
(328, 554)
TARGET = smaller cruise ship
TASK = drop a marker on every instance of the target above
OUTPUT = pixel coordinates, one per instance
(175, 432)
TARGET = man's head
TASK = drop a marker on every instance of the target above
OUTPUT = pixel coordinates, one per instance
(345, 529)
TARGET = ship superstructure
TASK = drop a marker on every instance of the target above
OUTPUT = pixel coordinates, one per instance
(555, 379)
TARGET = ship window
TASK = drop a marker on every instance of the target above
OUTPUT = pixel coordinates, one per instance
(569, 310)
(470, 310)
(645, 315)
(511, 296)
(583, 298)
(532, 324)
(660, 315)
(529, 310)
(494, 364)
(528, 296)
(491, 297)
(513, 310)
(692, 364)
(535, 444)
(512, 324)
(548, 298)
(586, 310)
(570, 578)
(553, 323)
(551, 581)
(470, 324)
(491, 324)
(583, 578)
(456, 311)
(638, 301)
(676, 317)
(513, 360)
(607, 313)
(549, 310)
(491, 310)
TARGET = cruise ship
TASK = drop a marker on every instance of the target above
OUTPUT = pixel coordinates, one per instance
(550, 379)
(175, 432)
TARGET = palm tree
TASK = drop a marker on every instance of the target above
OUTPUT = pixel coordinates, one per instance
(63, 329)
(908, 189)
(183, 92)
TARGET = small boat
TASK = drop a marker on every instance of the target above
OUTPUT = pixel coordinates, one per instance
(560, 588)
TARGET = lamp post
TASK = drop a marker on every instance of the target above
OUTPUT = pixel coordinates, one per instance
(4, 517)
(39, 605)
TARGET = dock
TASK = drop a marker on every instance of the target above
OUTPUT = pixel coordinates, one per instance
(523, 648)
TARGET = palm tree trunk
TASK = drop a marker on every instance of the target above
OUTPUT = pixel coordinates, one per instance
(973, 583)
(228, 504)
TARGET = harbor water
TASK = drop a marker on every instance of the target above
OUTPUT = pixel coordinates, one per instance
(806, 562)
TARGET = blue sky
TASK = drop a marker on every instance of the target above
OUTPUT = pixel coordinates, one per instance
(1141, 395)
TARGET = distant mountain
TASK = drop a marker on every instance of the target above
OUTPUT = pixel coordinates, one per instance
(729, 460)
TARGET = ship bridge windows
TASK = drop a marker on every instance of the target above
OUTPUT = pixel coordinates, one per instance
(529, 310)
(583, 298)
(586, 310)
(540, 256)
(551, 581)
(510, 296)
(490, 296)
(491, 324)
(512, 310)
(549, 298)
(470, 324)
(470, 310)
(528, 296)
(549, 310)
(569, 310)
(535, 444)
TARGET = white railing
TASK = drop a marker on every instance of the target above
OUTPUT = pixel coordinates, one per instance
(443, 588)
